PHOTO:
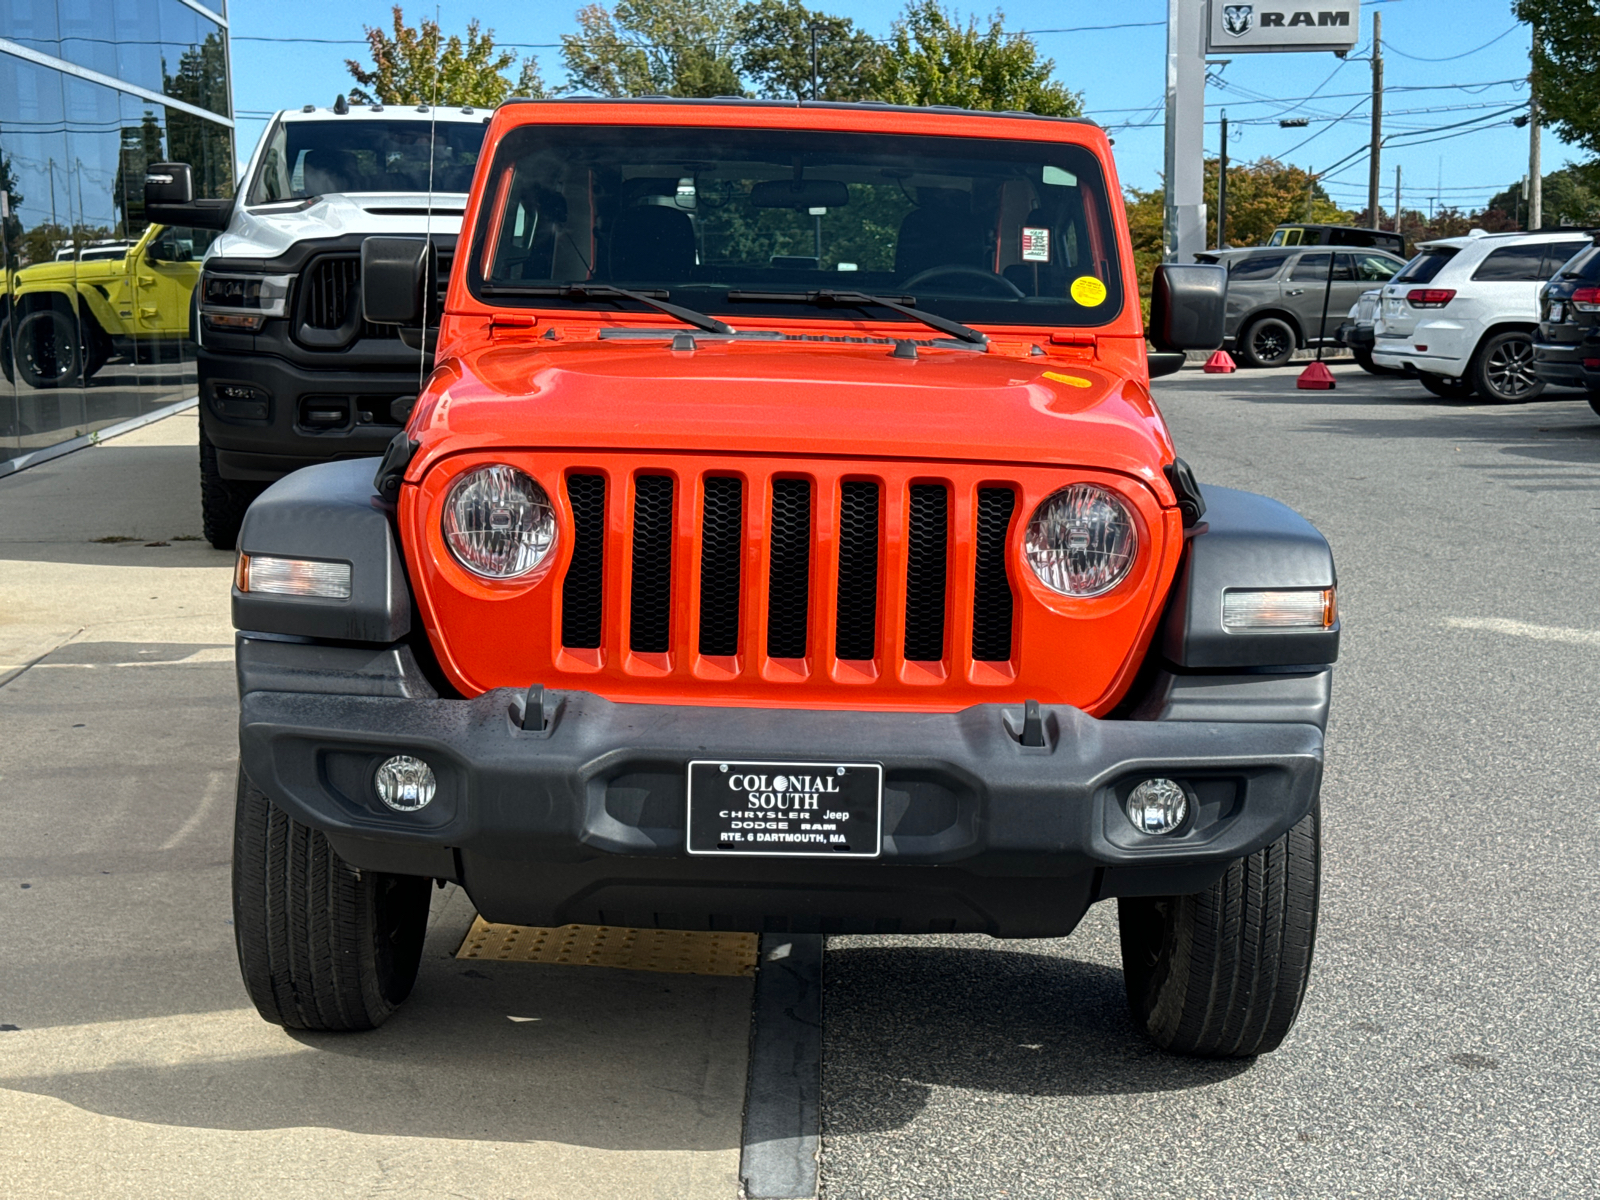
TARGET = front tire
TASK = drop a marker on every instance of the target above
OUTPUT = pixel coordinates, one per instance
(222, 501)
(1502, 370)
(1446, 387)
(1267, 342)
(1594, 402)
(49, 350)
(1222, 974)
(322, 945)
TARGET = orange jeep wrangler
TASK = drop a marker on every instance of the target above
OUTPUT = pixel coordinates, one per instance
(785, 540)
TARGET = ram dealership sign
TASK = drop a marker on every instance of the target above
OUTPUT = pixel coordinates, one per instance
(1283, 25)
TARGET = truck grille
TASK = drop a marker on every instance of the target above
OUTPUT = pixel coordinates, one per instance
(330, 295)
(789, 574)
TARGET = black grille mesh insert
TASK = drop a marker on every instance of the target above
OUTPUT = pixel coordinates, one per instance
(991, 591)
(583, 590)
(856, 636)
(927, 548)
(332, 289)
(789, 579)
(721, 545)
(650, 619)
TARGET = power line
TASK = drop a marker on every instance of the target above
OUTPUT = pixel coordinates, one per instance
(1450, 57)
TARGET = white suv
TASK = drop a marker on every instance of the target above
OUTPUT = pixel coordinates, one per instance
(1462, 314)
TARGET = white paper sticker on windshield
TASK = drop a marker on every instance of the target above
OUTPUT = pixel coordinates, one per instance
(1035, 244)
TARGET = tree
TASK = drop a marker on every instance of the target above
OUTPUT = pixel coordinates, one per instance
(11, 223)
(655, 47)
(141, 146)
(932, 58)
(775, 55)
(1571, 198)
(1264, 194)
(202, 80)
(422, 66)
(1566, 66)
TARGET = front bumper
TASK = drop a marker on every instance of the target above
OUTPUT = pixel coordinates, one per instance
(257, 408)
(585, 821)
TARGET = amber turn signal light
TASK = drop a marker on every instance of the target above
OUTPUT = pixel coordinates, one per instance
(1303, 608)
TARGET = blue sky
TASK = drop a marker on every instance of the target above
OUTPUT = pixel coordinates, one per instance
(1120, 72)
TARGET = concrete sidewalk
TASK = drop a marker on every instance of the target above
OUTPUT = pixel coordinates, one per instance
(130, 1061)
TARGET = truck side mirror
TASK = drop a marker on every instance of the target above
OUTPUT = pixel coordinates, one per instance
(169, 199)
(395, 273)
(1188, 306)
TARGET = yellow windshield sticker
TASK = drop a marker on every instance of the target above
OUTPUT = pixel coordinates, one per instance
(1069, 380)
(1088, 291)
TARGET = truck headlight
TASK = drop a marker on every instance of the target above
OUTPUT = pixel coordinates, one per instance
(498, 522)
(243, 301)
(1081, 541)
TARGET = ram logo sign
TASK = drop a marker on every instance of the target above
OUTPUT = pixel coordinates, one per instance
(1285, 25)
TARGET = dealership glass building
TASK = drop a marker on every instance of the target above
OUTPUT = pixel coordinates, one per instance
(95, 308)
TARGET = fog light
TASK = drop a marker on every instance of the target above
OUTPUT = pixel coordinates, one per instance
(1157, 806)
(405, 784)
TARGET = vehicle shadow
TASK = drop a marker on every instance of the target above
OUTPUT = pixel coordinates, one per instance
(902, 1020)
(502, 1052)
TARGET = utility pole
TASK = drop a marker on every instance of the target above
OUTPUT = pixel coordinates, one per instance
(1222, 187)
(1535, 178)
(1397, 197)
(1377, 118)
(1311, 179)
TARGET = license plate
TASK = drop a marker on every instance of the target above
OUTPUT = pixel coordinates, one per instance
(824, 810)
(1557, 312)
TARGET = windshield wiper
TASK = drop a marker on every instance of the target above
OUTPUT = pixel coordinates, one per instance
(603, 291)
(829, 296)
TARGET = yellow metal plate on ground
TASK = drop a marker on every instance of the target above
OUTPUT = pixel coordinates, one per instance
(679, 951)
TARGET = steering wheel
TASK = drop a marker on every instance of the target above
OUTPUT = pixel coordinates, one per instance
(1011, 290)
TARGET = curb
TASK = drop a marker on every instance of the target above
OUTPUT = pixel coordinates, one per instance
(10, 466)
(783, 1095)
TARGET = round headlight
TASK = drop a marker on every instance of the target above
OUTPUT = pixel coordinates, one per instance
(1081, 541)
(498, 522)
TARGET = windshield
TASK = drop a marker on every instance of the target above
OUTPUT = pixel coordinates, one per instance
(319, 158)
(972, 229)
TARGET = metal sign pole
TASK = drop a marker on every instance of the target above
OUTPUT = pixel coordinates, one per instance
(1185, 232)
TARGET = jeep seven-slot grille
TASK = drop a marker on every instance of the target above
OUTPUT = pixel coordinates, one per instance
(804, 541)
(331, 295)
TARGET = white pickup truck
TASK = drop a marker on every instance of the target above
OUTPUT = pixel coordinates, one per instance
(289, 372)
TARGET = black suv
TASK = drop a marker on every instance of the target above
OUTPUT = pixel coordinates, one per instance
(1567, 347)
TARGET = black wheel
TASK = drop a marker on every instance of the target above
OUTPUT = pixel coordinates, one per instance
(322, 945)
(222, 501)
(7, 365)
(1502, 369)
(49, 351)
(1594, 401)
(1363, 358)
(1221, 974)
(1445, 386)
(1268, 342)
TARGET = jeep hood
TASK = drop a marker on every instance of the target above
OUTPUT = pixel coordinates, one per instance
(823, 401)
(266, 231)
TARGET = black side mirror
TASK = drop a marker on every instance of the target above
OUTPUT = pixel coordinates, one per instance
(395, 277)
(169, 199)
(1188, 306)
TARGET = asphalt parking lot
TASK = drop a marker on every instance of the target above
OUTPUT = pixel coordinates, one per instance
(1448, 1046)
